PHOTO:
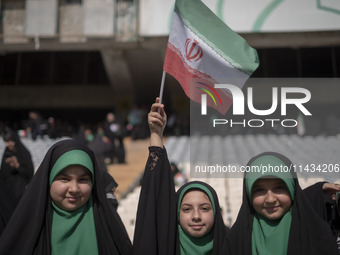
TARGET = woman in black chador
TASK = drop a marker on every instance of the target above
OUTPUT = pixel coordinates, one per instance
(64, 209)
(16, 166)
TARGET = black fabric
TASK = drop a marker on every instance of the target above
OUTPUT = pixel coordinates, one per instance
(7, 205)
(109, 182)
(156, 223)
(29, 229)
(155, 231)
(324, 206)
(16, 179)
(309, 234)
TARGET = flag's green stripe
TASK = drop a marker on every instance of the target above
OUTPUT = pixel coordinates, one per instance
(217, 35)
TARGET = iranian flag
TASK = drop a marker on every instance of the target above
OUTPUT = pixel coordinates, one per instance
(203, 51)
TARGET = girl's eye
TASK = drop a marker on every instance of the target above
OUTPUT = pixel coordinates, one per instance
(280, 188)
(62, 178)
(206, 208)
(258, 190)
(186, 209)
(84, 179)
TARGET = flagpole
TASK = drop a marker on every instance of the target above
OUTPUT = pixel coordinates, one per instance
(162, 87)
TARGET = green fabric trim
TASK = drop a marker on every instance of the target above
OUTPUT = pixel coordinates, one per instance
(269, 236)
(198, 246)
(266, 161)
(188, 244)
(74, 232)
(197, 186)
(223, 40)
(73, 157)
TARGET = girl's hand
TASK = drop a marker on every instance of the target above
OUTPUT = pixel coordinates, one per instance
(331, 188)
(157, 121)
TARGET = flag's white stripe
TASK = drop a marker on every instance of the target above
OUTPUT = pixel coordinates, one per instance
(212, 46)
(212, 64)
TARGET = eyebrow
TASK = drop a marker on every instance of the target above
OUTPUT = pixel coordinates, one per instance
(277, 182)
(82, 175)
(187, 204)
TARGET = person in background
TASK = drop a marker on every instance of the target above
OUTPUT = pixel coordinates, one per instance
(35, 125)
(16, 167)
(110, 188)
(100, 145)
(179, 178)
(115, 131)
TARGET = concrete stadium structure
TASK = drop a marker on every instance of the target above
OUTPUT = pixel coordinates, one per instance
(88, 57)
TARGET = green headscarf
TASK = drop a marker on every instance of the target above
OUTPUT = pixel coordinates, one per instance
(188, 244)
(73, 232)
(270, 236)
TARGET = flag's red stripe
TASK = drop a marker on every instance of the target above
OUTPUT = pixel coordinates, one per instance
(183, 73)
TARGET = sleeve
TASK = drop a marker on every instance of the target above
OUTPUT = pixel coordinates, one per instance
(26, 168)
(155, 231)
(318, 199)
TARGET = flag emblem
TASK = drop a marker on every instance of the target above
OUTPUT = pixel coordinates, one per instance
(193, 52)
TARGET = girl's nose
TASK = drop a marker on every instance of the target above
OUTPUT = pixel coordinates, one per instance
(73, 186)
(196, 215)
(270, 197)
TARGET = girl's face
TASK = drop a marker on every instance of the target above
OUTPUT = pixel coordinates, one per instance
(71, 188)
(196, 214)
(271, 198)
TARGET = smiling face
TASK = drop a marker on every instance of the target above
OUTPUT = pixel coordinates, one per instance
(71, 188)
(196, 214)
(270, 198)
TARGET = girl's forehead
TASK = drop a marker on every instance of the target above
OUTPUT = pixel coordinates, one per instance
(78, 170)
(194, 196)
(268, 182)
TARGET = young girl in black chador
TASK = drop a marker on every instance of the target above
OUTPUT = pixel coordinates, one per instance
(64, 209)
(189, 222)
(275, 216)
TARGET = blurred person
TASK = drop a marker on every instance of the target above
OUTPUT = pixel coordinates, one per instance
(110, 188)
(179, 178)
(137, 123)
(52, 128)
(35, 125)
(16, 167)
(100, 145)
(115, 131)
(65, 210)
